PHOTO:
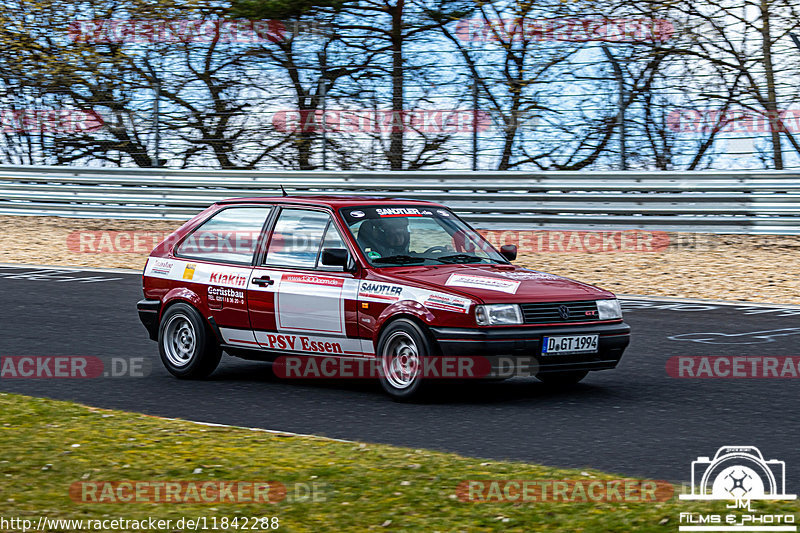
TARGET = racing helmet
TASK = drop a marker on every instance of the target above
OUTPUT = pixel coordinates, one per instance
(386, 236)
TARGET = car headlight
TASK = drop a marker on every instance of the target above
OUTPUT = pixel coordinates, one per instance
(608, 309)
(498, 314)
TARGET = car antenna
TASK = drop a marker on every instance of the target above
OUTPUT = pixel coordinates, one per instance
(283, 191)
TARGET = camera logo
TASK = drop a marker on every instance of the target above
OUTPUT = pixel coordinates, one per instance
(738, 473)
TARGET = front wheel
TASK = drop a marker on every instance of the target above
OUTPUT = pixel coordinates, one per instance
(402, 347)
(187, 347)
(562, 378)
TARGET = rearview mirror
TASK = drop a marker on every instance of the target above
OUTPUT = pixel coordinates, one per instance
(509, 251)
(335, 257)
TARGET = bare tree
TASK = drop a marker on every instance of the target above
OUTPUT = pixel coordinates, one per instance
(739, 57)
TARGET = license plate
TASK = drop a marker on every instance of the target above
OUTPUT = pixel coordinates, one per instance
(569, 345)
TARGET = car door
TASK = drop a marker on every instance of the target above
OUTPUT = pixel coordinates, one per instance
(296, 304)
(216, 263)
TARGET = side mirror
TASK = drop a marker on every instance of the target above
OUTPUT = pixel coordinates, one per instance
(509, 251)
(335, 257)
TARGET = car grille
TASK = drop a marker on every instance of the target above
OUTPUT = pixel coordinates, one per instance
(548, 312)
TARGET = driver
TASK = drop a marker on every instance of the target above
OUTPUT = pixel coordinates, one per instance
(397, 236)
(385, 236)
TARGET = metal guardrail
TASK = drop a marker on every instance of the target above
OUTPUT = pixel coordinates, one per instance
(720, 202)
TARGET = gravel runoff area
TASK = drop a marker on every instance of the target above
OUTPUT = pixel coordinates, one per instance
(688, 265)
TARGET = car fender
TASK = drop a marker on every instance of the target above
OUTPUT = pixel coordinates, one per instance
(185, 295)
(403, 308)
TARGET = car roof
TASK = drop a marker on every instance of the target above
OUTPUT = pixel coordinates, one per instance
(336, 202)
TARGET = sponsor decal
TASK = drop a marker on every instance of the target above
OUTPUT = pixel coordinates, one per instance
(188, 272)
(198, 492)
(738, 475)
(398, 212)
(315, 344)
(312, 303)
(386, 292)
(565, 490)
(528, 275)
(310, 279)
(223, 278)
(380, 291)
(483, 282)
(161, 266)
(443, 212)
(226, 295)
(357, 214)
(446, 302)
(302, 343)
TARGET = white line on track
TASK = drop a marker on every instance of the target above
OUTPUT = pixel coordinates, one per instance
(738, 303)
(262, 430)
(73, 268)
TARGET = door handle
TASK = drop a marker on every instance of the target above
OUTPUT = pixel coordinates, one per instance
(263, 280)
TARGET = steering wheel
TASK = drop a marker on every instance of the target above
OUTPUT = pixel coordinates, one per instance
(434, 249)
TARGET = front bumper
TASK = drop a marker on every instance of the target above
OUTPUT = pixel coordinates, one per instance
(148, 314)
(521, 347)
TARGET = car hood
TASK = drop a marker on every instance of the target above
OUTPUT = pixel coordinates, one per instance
(498, 283)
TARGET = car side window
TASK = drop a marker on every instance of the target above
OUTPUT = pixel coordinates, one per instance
(297, 238)
(229, 236)
(332, 239)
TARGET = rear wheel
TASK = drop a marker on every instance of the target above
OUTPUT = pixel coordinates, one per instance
(402, 348)
(562, 378)
(187, 346)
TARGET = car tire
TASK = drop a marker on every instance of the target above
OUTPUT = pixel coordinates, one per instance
(562, 378)
(187, 346)
(402, 347)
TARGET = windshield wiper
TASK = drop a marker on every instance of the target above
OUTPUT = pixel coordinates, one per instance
(460, 258)
(400, 259)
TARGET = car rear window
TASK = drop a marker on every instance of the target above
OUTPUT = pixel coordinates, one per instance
(229, 236)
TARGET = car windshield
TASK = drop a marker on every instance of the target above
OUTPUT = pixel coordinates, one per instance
(398, 235)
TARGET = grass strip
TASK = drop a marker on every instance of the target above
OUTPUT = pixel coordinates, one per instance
(46, 446)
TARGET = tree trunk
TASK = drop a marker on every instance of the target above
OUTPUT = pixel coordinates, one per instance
(775, 123)
(398, 120)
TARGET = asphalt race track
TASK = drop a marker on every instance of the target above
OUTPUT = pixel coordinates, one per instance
(635, 420)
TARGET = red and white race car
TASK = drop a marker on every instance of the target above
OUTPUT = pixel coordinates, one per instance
(396, 283)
